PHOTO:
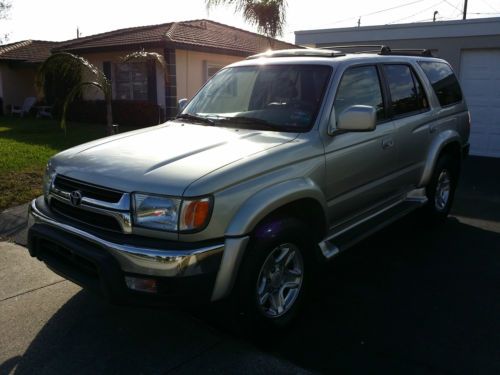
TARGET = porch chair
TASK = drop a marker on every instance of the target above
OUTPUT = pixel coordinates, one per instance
(29, 102)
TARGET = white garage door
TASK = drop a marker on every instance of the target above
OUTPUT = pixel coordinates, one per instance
(480, 79)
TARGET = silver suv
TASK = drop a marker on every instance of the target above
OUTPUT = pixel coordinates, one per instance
(279, 163)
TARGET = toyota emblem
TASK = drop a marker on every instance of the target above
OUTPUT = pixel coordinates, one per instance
(75, 197)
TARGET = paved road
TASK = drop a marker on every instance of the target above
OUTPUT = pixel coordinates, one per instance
(410, 299)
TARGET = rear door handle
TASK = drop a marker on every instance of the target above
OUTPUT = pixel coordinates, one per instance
(387, 143)
(432, 128)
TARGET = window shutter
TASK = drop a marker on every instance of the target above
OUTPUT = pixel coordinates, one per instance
(152, 81)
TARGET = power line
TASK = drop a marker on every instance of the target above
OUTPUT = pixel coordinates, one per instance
(495, 10)
(376, 12)
(416, 14)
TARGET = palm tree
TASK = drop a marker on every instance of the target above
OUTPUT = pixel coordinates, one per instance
(268, 15)
(67, 67)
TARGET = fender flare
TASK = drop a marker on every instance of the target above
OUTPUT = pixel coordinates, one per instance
(253, 210)
(262, 203)
(439, 143)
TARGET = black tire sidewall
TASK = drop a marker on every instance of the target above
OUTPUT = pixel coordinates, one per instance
(290, 231)
(445, 162)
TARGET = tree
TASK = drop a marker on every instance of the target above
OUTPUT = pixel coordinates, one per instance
(73, 72)
(5, 6)
(71, 68)
(268, 15)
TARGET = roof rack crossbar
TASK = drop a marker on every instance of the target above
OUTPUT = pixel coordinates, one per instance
(408, 52)
(382, 50)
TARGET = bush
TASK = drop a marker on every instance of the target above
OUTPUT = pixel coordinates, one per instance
(125, 112)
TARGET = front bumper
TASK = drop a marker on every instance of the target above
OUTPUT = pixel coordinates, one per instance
(99, 261)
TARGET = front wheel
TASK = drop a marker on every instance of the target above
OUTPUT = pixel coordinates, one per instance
(274, 275)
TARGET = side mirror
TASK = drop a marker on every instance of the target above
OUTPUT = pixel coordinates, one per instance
(182, 103)
(357, 118)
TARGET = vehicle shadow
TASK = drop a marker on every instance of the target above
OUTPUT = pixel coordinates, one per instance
(406, 300)
(87, 336)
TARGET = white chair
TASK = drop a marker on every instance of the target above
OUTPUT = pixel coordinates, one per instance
(29, 102)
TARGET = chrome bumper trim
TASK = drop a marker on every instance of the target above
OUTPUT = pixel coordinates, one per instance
(154, 262)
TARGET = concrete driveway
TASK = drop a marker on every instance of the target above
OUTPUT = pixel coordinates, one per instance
(411, 299)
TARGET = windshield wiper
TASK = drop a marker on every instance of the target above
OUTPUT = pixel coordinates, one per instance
(252, 122)
(195, 118)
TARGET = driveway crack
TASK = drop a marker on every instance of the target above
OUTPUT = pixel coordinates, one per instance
(32, 290)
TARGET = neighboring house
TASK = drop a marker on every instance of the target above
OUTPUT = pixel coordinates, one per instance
(18, 64)
(193, 50)
(471, 46)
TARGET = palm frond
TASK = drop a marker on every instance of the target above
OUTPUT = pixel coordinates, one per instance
(72, 68)
(71, 96)
(143, 56)
(268, 15)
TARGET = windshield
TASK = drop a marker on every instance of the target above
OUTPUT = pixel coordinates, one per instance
(271, 97)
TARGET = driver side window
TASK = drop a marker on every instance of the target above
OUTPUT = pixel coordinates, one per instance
(360, 86)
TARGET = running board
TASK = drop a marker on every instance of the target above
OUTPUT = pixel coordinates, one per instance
(348, 236)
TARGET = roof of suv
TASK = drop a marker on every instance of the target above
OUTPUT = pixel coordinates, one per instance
(337, 51)
(333, 56)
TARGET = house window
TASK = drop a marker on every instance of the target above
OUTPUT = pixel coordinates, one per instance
(131, 81)
(211, 69)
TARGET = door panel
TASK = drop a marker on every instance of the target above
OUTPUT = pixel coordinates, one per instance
(360, 170)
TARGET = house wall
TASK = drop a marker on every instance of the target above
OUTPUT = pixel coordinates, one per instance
(98, 60)
(191, 69)
(17, 83)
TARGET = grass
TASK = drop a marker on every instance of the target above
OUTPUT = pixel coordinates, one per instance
(26, 144)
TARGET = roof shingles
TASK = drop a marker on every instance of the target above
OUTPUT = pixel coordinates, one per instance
(30, 51)
(198, 33)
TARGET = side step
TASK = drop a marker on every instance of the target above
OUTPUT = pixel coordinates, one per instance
(348, 236)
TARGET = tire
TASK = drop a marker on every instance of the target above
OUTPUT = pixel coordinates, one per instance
(273, 277)
(441, 189)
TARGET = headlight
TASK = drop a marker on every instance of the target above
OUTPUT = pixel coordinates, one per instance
(48, 178)
(171, 214)
(156, 212)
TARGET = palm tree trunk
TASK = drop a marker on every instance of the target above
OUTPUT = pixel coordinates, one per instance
(109, 117)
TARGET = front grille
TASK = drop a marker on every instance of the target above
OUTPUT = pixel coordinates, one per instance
(91, 191)
(87, 217)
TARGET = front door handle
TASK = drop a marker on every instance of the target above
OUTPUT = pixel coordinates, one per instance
(387, 143)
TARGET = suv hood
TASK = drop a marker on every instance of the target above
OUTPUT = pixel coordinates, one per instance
(164, 159)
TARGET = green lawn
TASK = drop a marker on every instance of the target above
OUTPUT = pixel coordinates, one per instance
(25, 146)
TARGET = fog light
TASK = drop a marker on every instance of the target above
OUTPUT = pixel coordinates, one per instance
(140, 284)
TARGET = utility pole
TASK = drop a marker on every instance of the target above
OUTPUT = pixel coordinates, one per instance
(359, 21)
(465, 10)
(77, 32)
(435, 14)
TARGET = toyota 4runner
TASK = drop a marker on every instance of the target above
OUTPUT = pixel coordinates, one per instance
(278, 163)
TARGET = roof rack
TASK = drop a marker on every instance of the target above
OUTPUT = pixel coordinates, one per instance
(383, 50)
(302, 52)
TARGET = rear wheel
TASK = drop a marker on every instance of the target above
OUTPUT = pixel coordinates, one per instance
(441, 189)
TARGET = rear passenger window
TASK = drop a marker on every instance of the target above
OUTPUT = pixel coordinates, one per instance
(407, 94)
(360, 86)
(443, 82)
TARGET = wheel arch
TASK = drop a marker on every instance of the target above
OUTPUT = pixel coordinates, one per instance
(300, 198)
(449, 142)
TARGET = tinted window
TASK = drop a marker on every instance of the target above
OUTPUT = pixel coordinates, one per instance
(443, 82)
(360, 86)
(406, 92)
